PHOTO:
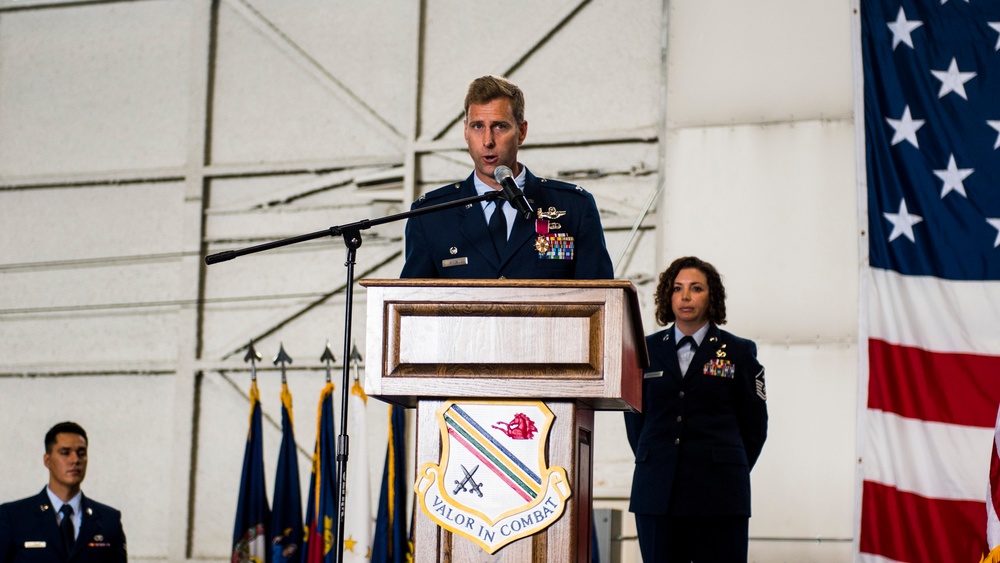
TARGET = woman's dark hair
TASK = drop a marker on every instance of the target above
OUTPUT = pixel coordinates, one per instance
(716, 291)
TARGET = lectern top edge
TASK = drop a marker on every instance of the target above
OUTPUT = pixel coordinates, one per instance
(436, 282)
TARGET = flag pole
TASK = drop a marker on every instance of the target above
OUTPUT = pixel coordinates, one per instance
(252, 356)
(356, 359)
(328, 358)
(282, 358)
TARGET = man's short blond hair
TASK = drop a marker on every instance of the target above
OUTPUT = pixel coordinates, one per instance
(485, 89)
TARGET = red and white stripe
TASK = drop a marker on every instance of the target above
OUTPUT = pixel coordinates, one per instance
(929, 415)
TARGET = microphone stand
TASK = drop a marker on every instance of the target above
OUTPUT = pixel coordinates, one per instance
(351, 233)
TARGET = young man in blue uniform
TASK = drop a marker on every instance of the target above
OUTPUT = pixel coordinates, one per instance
(564, 240)
(702, 426)
(60, 524)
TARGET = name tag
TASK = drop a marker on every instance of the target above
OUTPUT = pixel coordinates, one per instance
(652, 374)
(455, 262)
(34, 544)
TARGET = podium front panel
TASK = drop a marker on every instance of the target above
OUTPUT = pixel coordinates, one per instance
(578, 340)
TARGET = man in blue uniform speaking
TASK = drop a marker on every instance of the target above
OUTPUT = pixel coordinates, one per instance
(563, 240)
(61, 524)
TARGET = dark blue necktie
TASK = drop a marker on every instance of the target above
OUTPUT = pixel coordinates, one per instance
(688, 340)
(66, 527)
(498, 227)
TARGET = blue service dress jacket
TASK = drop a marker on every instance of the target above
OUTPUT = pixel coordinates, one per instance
(29, 533)
(456, 242)
(698, 436)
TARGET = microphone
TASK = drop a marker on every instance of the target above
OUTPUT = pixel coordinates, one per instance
(505, 177)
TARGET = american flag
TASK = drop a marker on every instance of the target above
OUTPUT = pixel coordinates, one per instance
(932, 134)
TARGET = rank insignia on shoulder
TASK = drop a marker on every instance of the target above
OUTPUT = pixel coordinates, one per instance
(761, 388)
(719, 368)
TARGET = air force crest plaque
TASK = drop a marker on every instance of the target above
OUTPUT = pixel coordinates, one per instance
(492, 484)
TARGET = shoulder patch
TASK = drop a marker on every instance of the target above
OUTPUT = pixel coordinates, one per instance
(560, 185)
(761, 388)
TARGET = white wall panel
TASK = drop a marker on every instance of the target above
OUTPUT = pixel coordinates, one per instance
(478, 38)
(619, 176)
(613, 455)
(809, 455)
(288, 221)
(369, 47)
(93, 88)
(230, 325)
(129, 453)
(274, 103)
(130, 339)
(598, 72)
(758, 62)
(320, 189)
(811, 550)
(775, 209)
(90, 274)
(105, 286)
(62, 224)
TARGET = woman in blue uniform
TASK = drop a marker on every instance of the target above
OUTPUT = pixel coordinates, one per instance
(702, 426)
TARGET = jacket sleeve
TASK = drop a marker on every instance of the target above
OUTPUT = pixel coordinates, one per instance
(592, 259)
(753, 407)
(633, 428)
(419, 263)
(6, 541)
(120, 554)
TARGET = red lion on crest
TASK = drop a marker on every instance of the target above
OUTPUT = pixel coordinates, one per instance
(520, 428)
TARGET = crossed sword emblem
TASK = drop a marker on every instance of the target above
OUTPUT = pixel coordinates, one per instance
(473, 486)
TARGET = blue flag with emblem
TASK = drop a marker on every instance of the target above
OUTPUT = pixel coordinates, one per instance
(322, 509)
(253, 516)
(286, 518)
(390, 544)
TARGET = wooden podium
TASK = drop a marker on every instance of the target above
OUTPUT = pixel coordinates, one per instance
(576, 345)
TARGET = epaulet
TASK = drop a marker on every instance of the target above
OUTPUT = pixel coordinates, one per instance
(560, 185)
(438, 193)
(739, 340)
